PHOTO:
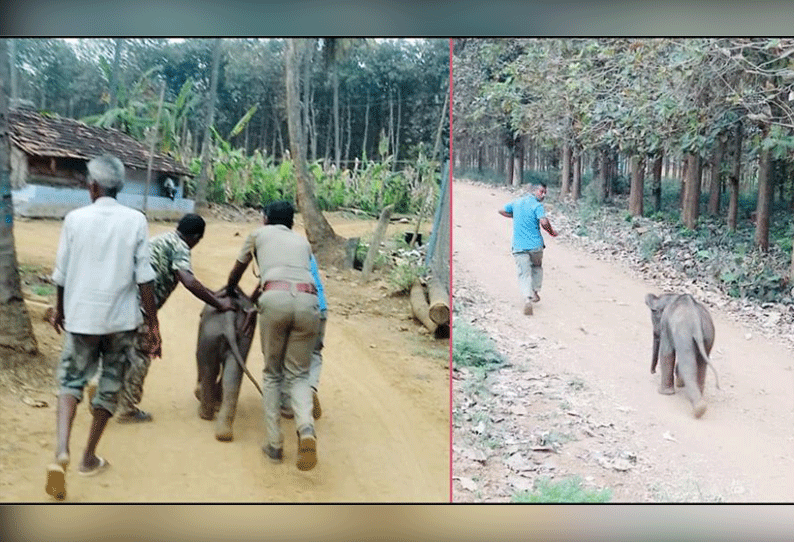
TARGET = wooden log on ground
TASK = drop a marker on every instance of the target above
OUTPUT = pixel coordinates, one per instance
(374, 247)
(439, 301)
(420, 307)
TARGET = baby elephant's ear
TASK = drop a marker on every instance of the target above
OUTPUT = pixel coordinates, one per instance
(651, 301)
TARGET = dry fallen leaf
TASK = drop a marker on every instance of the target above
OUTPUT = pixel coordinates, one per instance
(36, 403)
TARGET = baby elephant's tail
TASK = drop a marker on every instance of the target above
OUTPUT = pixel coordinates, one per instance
(699, 342)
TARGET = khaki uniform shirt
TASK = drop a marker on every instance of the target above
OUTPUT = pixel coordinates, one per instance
(281, 254)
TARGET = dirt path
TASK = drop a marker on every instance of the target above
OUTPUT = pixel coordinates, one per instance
(383, 436)
(579, 369)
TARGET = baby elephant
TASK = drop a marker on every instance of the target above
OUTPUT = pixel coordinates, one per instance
(224, 339)
(683, 335)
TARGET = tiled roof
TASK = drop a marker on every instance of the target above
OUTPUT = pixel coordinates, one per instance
(40, 135)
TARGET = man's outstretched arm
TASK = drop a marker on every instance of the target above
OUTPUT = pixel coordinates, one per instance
(195, 287)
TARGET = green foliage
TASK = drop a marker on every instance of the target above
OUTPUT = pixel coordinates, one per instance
(43, 290)
(747, 275)
(709, 253)
(246, 180)
(375, 185)
(472, 348)
(403, 275)
(568, 490)
(650, 243)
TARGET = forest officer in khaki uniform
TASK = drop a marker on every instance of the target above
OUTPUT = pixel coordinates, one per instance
(289, 323)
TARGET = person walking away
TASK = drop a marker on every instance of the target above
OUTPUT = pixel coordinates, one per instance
(528, 217)
(101, 264)
(170, 261)
(289, 319)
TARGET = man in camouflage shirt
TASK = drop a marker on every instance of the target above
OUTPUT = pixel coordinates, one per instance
(170, 259)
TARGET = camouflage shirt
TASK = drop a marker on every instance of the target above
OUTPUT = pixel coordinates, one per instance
(169, 253)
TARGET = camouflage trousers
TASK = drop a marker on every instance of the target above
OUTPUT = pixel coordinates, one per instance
(105, 357)
(138, 362)
(136, 365)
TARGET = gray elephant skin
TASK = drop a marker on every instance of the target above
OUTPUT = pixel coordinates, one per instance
(683, 335)
(224, 339)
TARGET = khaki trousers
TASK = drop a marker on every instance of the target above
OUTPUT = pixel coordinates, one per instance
(289, 324)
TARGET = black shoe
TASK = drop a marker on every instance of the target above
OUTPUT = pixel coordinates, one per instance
(275, 455)
(136, 416)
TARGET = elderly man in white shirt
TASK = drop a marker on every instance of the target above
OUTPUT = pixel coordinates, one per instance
(101, 264)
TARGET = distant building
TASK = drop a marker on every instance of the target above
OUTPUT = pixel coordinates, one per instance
(48, 167)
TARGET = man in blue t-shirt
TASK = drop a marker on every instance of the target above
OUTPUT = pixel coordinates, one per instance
(528, 217)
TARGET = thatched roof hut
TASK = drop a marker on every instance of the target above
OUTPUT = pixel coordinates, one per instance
(58, 148)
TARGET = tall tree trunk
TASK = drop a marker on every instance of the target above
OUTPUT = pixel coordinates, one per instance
(364, 153)
(152, 146)
(791, 269)
(733, 202)
(391, 119)
(511, 163)
(715, 188)
(12, 48)
(349, 134)
(397, 129)
(691, 207)
(576, 182)
(16, 333)
(441, 123)
(114, 74)
(637, 189)
(656, 183)
(337, 142)
(518, 161)
(764, 195)
(263, 131)
(329, 247)
(603, 177)
(566, 169)
(306, 60)
(206, 144)
(312, 131)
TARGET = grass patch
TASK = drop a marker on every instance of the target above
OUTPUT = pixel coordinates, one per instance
(429, 353)
(569, 490)
(472, 348)
(43, 290)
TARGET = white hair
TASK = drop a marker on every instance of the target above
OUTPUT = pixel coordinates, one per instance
(107, 171)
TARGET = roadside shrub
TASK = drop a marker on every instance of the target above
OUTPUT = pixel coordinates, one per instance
(403, 275)
(472, 348)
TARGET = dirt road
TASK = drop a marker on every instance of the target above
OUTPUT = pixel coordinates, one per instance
(383, 436)
(591, 335)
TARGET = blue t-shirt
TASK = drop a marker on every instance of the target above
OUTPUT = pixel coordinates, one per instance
(527, 213)
(319, 284)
